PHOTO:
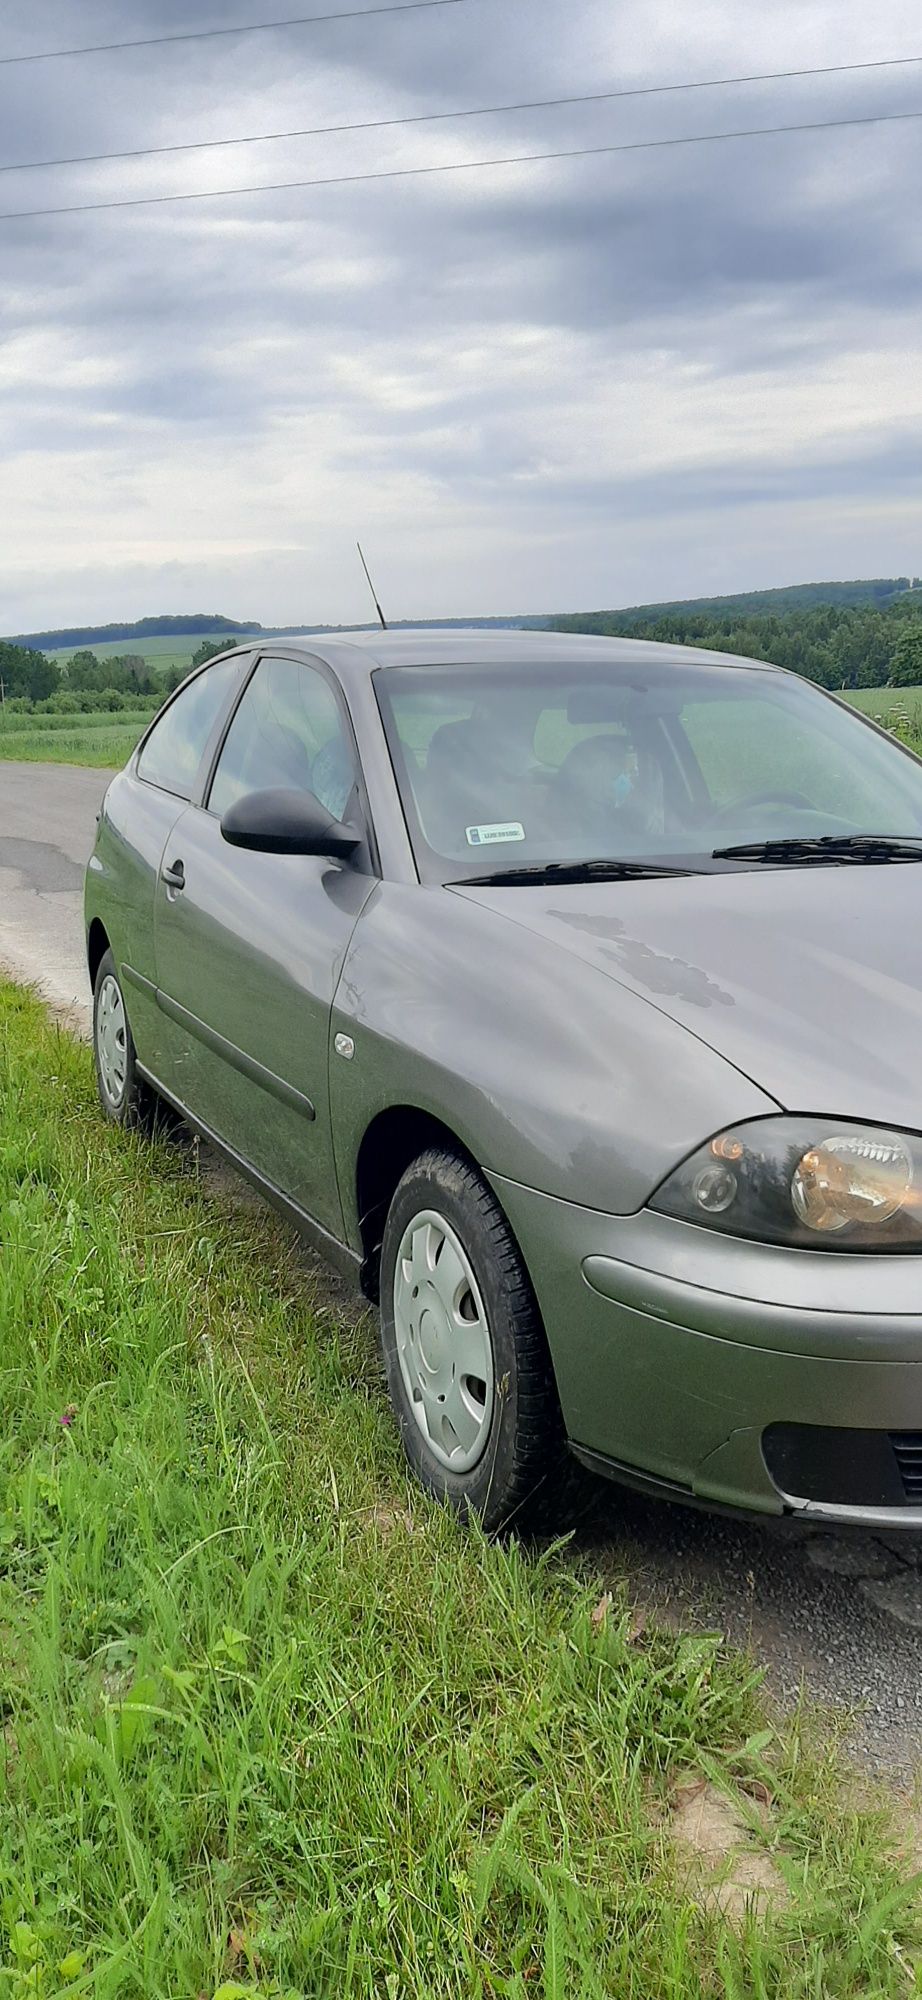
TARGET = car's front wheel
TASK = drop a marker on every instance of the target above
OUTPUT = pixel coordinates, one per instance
(123, 1094)
(464, 1348)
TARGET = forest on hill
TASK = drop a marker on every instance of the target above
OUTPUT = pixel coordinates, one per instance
(182, 625)
(875, 590)
(207, 623)
(843, 644)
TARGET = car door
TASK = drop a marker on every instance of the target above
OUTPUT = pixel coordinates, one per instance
(141, 807)
(249, 947)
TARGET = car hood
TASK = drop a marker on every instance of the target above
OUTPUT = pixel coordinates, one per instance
(807, 980)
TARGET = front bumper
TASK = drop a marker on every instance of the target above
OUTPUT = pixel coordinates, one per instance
(786, 1382)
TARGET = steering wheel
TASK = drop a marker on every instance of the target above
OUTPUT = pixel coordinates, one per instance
(743, 808)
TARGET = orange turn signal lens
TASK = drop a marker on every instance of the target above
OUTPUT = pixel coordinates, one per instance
(727, 1147)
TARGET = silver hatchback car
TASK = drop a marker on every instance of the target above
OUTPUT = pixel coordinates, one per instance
(568, 993)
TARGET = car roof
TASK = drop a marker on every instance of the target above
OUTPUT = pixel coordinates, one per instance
(356, 655)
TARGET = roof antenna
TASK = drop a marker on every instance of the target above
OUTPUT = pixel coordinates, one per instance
(371, 587)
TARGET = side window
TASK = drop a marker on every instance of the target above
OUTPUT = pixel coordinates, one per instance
(177, 743)
(288, 732)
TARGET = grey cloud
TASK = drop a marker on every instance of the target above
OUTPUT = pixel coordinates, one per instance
(236, 320)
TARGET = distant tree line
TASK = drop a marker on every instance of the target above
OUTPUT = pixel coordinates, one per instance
(26, 677)
(30, 682)
(840, 646)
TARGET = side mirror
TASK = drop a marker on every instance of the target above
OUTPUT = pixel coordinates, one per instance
(283, 822)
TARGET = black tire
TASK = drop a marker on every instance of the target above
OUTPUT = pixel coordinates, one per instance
(525, 1445)
(130, 1102)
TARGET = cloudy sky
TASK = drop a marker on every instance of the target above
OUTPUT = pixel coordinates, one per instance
(561, 385)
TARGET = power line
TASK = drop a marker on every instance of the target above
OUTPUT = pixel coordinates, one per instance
(212, 34)
(455, 167)
(441, 117)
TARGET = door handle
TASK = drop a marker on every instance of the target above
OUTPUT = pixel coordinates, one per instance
(174, 876)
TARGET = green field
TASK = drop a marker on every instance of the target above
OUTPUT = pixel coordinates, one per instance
(274, 1724)
(883, 702)
(105, 741)
(27, 725)
(172, 651)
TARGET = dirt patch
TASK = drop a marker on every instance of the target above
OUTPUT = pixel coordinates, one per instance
(723, 1854)
(218, 1177)
(389, 1520)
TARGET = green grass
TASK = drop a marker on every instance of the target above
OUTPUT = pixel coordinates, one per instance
(100, 739)
(80, 740)
(19, 725)
(272, 1723)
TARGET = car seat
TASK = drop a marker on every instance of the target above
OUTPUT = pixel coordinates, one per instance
(588, 800)
(467, 781)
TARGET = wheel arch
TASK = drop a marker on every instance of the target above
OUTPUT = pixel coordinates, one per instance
(97, 944)
(394, 1138)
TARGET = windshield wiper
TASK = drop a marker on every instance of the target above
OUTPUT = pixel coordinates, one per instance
(832, 847)
(568, 871)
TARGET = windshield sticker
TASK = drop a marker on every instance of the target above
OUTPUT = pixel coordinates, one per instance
(491, 836)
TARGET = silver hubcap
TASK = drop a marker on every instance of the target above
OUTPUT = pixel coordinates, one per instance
(112, 1040)
(443, 1342)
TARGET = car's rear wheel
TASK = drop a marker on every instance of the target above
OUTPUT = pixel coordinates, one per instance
(464, 1348)
(123, 1094)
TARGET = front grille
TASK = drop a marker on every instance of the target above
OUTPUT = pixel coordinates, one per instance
(907, 1447)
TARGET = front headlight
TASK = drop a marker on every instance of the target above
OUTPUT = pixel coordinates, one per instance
(812, 1182)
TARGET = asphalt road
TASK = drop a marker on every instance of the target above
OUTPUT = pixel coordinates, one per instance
(47, 827)
(837, 1616)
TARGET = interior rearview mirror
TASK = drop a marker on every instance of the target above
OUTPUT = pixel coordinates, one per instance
(598, 704)
(288, 822)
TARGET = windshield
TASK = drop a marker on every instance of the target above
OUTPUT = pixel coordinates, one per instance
(502, 767)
